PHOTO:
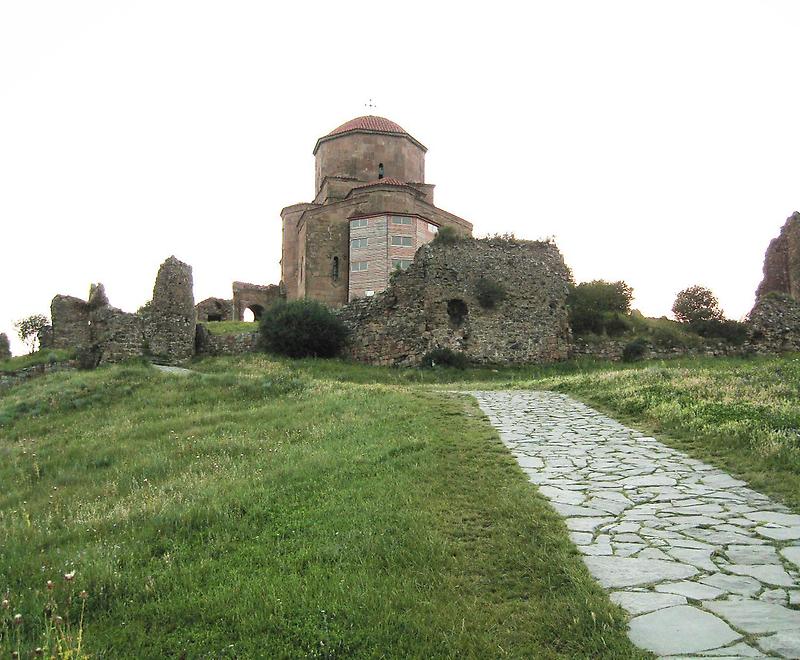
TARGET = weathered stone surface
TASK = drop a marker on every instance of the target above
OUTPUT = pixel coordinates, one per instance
(775, 323)
(640, 602)
(97, 297)
(214, 309)
(792, 554)
(782, 261)
(755, 616)
(70, 320)
(785, 643)
(5, 347)
(693, 590)
(171, 332)
(116, 335)
(614, 572)
(434, 304)
(680, 629)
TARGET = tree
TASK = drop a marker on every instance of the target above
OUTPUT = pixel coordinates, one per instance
(599, 306)
(28, 329)
(697, 305)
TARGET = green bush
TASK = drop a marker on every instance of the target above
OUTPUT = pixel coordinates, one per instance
(696, 304)
(448, 235)
(616, 324)
(445, 357)
(733, 332)
(634, 350)
(594, 306)
(489, 293)
(302, 328)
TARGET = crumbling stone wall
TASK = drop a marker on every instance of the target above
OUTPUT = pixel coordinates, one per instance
(70, 320)
(207, 343)
(434, 304)
(214, 309)
(255, 297)
(100, 333)
(5, 347)
(782, 261)
(775, 323)
(170, 333)
(96, 331)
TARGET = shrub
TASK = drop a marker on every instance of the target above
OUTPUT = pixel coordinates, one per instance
(734, 332)
(489, 293)
(616, 324)
(302, 328)
(448, 235)
(696, 304)
(634, 350)
(445, 357)
(595, 305)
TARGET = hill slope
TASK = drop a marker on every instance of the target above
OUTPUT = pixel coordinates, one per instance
(268, 513)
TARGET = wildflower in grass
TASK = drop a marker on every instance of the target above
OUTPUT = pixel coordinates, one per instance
(69, 577)
(6, 604)
(50, 585)
(17, 619)
(84, 594)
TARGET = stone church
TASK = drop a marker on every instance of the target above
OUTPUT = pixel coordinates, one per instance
(371, 211)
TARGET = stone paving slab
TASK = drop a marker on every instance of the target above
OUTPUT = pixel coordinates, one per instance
(705, 566)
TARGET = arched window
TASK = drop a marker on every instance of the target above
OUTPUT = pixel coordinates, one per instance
(380, 170)
(335, 269)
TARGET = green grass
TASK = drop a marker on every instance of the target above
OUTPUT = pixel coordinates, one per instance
(33, 359)
(264, 509)
(230, 327)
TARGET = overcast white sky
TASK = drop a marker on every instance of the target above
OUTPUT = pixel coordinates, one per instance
(657, 142)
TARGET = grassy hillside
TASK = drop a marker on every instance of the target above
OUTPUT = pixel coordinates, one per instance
(267, 510)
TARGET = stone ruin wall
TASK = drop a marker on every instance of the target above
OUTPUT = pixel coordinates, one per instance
(102, 334)
(214, 309)
(782, 261)
(775, 323)
(255, 297)
(434, 304)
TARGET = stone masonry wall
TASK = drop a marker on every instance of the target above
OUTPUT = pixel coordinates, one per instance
(214, 309)
(170, 334)
(434, 304)
(775, 323)
(782, 261)
(70, 321)
(207, 343)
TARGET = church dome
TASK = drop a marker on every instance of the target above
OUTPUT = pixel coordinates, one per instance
(369, 123)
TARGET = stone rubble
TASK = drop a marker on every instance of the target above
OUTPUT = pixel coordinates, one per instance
(705, 566)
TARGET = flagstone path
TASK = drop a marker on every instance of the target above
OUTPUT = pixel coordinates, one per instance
(705, 566)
